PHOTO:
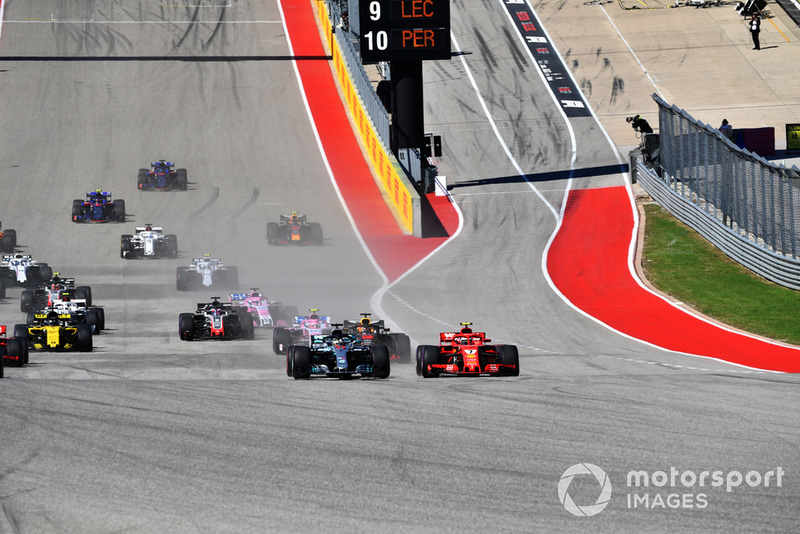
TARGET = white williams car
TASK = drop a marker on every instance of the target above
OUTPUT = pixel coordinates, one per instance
(207, 272)
(148, 242)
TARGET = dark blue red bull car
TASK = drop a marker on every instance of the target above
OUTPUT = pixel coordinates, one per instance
(98, 207)
(162, 176)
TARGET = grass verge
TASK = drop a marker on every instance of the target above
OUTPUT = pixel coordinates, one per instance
(681, 263)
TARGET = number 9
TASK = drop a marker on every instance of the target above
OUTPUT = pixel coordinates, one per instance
(375, 10)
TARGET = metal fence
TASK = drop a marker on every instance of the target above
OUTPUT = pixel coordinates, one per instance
(744, 192)
(372, 104)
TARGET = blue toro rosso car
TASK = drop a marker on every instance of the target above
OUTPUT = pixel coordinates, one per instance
(162, 176)
(98, 207)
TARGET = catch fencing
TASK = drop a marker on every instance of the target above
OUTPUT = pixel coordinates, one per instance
(742, 203)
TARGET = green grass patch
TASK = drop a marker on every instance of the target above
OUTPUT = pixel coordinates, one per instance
(681, 263)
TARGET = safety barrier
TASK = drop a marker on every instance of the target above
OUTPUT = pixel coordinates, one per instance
(401, 195)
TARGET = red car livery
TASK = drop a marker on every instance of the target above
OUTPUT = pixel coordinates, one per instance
(467, 353)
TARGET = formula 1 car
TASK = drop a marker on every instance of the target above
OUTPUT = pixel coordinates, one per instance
(466, 353)
(206, 272)
(375, 333)
(215, 320)
(8, 239)
(13, 350)
(303, 327)
(71, 312)
(263, 312)
(294, 229)
(22, 270)
(148, 242)
(162, 176)
(98, 207)
(337, 355)
(46, 293)
(53, 334)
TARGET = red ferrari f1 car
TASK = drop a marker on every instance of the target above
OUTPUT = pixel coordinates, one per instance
(466, 353)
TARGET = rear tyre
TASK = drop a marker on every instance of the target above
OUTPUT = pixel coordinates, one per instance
(380, 361)
(301, 364)
(21, 330)
(45, 271)
(509, 355)
(316, 233)
(281, 338)
(172, 245)
(125, 246)
(180, 279)
(77, 210)
(402, 347)
(181, 181)
(142, 181)
(186, 326)
(25, 300)
(85, 293)
(119, 210)
(25, 349)
(9, 240)
(93, 321)
(430, 356)
(84, 336)
(101, 317)
(272, 232)
(3, 289)
(14, 355)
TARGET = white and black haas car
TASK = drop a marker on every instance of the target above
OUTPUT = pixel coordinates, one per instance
(22, 270)
(207, 272)
(162, 176)
(148, 242)
(216, 320)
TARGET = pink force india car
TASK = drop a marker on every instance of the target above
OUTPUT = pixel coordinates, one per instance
(265, 313)
(303, 327)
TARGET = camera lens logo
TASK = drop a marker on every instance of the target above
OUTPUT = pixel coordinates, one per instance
(602, 500)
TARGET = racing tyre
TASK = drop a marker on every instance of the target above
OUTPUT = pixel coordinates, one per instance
(181, 279)
(31, 318)
(380, 361)
(402, 347)
(125, 246)
(246, 326)
(181, 181)
(21, 330)
(9, 240)
(85, 293)
(93, 321)
(316, 233)
(281, 338)
(142, 181)
(301, 362)
(429, 355)
(3, 289)
(290, 361)
(509, 355)
(186, 326)
(14, 355)
(25, 349)
(84, 336)
(101, 317)
(25, 299)
(172, 245)
(119, 210)
(45, 271)
(77, 211)
(272, 232)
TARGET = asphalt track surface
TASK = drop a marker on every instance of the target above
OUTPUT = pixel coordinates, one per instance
(148, 433)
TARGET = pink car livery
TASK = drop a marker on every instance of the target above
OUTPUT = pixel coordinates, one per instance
(303, 327)
(263, 312)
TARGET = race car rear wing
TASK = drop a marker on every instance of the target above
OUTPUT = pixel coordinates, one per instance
(460, 338)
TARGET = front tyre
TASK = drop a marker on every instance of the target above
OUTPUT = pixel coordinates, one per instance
(430, 356)
(301, 364)
(380, 361)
